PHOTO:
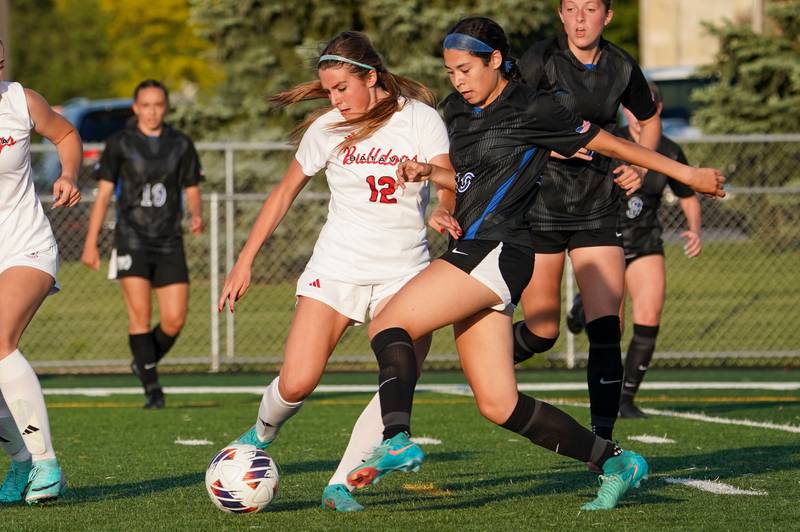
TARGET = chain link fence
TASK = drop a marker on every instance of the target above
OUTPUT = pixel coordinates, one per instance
(733, 305)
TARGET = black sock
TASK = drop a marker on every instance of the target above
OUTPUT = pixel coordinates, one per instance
(604, 373)
(397, 378)
(144, 356)
(640, 353)
(549, 427)
(163, 341)
(527, 343)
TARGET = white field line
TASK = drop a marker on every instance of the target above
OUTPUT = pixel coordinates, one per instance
(713, 486)
(456, 389)
(646, 438)
(426, 440)
(180, 441)
(786, 427)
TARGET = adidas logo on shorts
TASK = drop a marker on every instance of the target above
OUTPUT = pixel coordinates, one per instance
(314, 283)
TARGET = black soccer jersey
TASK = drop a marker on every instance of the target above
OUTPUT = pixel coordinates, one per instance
(579, 194)
(638, 214)
(149, 173)
(499, 153)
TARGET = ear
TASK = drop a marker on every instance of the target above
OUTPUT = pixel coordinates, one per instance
(609, 17)
(496, 60)
(659, 107)
(372, 78)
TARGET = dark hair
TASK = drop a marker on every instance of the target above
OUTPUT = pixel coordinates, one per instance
(606, 3)
(490, 32)
(150, 83)
(357, 47)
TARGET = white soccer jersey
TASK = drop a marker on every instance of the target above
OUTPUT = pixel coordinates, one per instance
(24, 227)
(375, 230)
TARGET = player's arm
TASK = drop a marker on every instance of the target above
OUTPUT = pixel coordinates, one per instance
(195, 204)
(691, 209)
(63, 135)
(91, 255)
(707, 181)
(438, 171)
(272, 212)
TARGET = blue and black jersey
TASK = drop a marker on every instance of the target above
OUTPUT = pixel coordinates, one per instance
(149, 174)
(499, 153)
(578, 194)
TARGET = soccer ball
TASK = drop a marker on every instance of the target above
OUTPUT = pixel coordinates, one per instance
(242, 479)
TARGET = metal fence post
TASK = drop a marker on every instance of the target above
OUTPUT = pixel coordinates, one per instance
(230, 331)
(569, 295)
(213, 289)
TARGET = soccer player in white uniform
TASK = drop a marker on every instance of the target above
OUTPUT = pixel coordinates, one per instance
(374, 239)
(28, 267)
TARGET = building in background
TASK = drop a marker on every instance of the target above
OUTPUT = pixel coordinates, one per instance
(671, 32)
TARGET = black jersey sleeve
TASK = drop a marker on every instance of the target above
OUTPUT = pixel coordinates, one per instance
(679, 189)
(190, 171)
(553, 126)
(108, 168)
(531, 65)
(637, 96)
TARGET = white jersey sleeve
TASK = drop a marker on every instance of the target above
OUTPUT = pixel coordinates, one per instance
(431, 131)
(316, 146)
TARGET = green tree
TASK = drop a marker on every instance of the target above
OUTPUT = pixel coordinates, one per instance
(758, 87)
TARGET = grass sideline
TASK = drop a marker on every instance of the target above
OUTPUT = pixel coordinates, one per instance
(127, 472)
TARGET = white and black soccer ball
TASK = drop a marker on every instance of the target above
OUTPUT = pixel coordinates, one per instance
(242, 479)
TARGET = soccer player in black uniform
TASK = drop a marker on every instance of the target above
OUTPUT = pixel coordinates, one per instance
(501, 132)
(645, 273)
(147, 166)
(576, 211)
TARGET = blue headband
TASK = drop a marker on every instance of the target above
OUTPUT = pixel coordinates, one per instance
(468, 43)
(329, 57)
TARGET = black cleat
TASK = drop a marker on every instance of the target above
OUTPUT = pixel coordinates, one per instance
(628, 410)
(576, 319)
(155, 400)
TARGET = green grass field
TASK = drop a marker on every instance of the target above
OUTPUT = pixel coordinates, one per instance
(126, 471)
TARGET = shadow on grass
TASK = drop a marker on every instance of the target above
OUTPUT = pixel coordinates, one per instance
(88, 494)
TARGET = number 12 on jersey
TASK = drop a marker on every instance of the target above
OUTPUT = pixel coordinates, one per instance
(382, 189)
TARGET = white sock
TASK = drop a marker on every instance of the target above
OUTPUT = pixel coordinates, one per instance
(23, 394)
(10, 438)
(367, 434)
(273, 412)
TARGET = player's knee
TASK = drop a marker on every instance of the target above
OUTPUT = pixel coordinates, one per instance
(294, 389)
(172, 324)
(495, 409)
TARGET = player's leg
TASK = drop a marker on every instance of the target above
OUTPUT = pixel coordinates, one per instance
(136, 294)
(367, 432)
(541, 303)
(484, 342)
(315, 330)
(599, 271)
(426, 303)
(22, 291)
(171, 283)
(645, 280)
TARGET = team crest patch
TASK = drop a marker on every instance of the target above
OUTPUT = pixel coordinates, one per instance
(124, 262)
(635, 205)
(463, 181)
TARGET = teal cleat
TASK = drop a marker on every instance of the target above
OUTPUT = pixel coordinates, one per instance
(620, 473)
(338, 497)
(398, 453)
(251, 438)
(13, 488)
(46, 482)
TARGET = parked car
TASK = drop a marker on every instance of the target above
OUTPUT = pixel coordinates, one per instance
(95, 120)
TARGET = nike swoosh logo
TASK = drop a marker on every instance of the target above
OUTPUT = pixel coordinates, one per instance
(618, 234)
(387, 380)
(149, 366)
(401, 450)
(457, 252)
(642, 368)
(46, 487)
(603, 381)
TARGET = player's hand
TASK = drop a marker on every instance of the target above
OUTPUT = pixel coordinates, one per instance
(412, 172)
(582, 153)
(65, 192)
(709, 182)
(91, 258)
(693, 245)
(442, 221)
(629, 178)
(196, 225)
(236, 284)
